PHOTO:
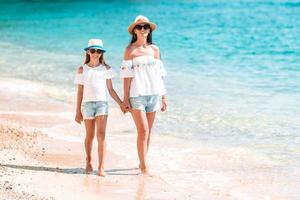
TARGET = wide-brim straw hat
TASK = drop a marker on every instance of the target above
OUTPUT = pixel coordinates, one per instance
(141, 20)
(95, 44)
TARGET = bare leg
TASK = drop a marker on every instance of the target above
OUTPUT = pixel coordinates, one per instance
(141, 124)
(88, 143)
(150, 118)
(101, 126)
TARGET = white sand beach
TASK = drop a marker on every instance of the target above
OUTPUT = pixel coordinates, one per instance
(231, 129)
(35, 165)
(42, 157)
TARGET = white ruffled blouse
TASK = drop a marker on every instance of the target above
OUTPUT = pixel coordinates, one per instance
(94, 81)
(147, 73)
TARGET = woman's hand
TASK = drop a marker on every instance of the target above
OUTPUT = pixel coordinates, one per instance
(164, 103)
(126, 105)
(78, 117)
(122, 107)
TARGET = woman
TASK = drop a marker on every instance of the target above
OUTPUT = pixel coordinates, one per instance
(94, 79)
(142, 71)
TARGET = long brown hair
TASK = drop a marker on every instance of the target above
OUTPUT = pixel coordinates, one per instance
(101, 60)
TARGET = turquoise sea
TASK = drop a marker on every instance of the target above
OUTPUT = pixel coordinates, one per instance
(233, 65)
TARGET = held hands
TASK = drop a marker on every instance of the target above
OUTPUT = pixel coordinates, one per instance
(126, 106)
(164, 104)
(78, 117)
(123, 108)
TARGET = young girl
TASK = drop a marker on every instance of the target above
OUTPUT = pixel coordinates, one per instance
(94, 79)
(143, 74)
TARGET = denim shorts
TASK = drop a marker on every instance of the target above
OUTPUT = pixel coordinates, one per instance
(149, 103)
(92, 109)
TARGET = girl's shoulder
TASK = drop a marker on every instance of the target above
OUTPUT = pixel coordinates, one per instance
(107, 67)
(80, 70)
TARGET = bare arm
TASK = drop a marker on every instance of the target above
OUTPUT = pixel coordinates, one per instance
(79, 97)
(114, 95)
(126, 87)
(164, 97)
(112, 92)
(78, 117)
(126, 83)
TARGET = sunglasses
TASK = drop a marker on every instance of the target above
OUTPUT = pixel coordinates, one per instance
(95, 50)
(140, 26)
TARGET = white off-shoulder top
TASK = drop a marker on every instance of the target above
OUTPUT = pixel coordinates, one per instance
(147, 73)
(94, 81)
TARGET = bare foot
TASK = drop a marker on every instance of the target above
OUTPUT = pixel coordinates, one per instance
(88, 168)
(145, 171)
(140, 166)
(101, 172)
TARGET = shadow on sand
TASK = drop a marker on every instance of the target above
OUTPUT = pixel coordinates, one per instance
(111, 172)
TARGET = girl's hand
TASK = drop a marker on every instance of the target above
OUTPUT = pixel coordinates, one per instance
(126, 105)
(164, 104)
(78, 117)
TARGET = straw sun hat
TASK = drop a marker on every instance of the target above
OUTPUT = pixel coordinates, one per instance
(141, 20)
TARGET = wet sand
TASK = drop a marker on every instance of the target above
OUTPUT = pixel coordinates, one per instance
(36, 166)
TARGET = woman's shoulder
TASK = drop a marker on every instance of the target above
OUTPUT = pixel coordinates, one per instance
(155, 50)
(154, 47)
(127, 52)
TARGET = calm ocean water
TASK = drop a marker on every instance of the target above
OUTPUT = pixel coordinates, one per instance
(233, 66)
